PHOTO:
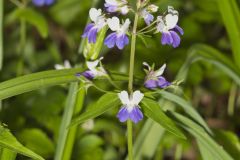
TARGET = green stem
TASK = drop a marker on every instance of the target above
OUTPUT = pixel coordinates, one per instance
(130, 84)
(73, 130)
(232, 99)
(1, 33)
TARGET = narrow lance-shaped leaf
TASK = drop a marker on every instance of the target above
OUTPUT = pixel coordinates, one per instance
(7, 140)
(106, 102)
(199, 133)
(152, 110)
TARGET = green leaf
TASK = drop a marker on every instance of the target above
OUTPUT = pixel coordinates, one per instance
(36, 81)
(213, 56)
(152, 110)
(230, 142)
(91, 51)
(8, 154)
(66, 120)
(7, 140)
(106, 102)
(37, 141)
(205, 140)
(1, 33)
(34, 18)
(230, 15)
(187, 108)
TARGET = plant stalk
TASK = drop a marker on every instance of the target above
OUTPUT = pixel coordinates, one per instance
(130, 84)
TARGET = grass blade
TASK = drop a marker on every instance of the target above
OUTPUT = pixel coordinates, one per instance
(1, 33)
(66, 120)
(35, 81)
(230, 15)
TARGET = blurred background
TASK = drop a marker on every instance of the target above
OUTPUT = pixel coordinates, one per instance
(40, 37)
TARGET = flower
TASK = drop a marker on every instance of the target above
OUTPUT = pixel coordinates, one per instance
(154, 79)
(66, 65)
(40, 3)
(167, 25)
(119, 36)
(117, 6)
(92, 29)
(130, 109)
(93, 70)
(146, 13)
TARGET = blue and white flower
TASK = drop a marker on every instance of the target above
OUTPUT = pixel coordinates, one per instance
(117, 6)
(119, 36)
(95, 70)
(91, 30)
(154, 79)
(167, 25)
(145, 13)
(130, 108)
(40, 3)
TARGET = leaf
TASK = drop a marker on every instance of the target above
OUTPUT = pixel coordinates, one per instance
(36, 81)
(38, 141)
(230, 142)
(91, 51)
(199, 133)
(34, 18)
(213, 56)
(1, 33)
(153, 110)
(7, 140)
(106, 102)
(187, 108)
(230, 15)
(8, 154)
(66, 120)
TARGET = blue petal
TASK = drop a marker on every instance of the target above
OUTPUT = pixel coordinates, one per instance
(110, 8)
(87, 29)
(110, 40)
(163, 83)
(151, 84)
(49, 2)
(92, 35)
(121, 41)
(88, 74)
(178, 29)
(176, 39)
(167, 38)
(136, 115)
(123, 114)
(38, 3)
(148, 19)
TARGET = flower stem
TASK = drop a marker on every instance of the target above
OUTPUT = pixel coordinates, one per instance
(130, 84)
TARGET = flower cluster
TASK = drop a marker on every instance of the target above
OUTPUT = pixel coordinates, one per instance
(166, 24)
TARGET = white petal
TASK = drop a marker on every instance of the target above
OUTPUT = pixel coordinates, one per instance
(92, 64)
(137, 97)
(113, 23)
(172, 10)
(147, 65)
(123, 96)
(67, 64)
(160, 71)
(94, 14)
(171, 20)
(160, 25)
(125, 26)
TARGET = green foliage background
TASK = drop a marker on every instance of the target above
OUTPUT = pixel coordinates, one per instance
(53, 34)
